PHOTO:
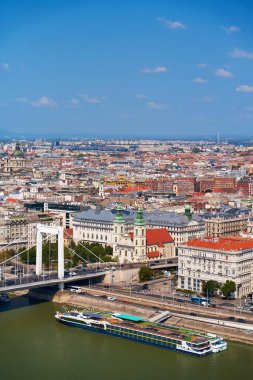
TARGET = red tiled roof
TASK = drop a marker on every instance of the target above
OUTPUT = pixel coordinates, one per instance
(152, 255)
(233, 243)
(12, 200)
(158, 236)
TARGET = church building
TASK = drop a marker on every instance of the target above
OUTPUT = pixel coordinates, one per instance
(142, 243)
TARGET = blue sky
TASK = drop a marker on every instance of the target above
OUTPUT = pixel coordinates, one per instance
(143, 68)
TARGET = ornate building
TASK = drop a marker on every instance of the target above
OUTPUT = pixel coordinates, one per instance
(15, 163)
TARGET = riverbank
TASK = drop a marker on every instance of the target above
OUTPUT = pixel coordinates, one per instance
(135, 306)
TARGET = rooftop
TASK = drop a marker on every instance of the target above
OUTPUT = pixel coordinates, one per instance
(231, 243)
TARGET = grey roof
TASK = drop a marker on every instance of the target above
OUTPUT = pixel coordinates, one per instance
(227, 213)
(161, 218)
(101, 215)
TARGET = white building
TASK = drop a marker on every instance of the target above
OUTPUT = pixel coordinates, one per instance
(97, 225)
(218, 259)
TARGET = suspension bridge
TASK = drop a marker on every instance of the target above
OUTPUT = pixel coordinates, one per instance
(17, 275)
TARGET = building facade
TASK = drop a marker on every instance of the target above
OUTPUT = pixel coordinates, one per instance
(219, 259)
(97, 225)
(232, 222)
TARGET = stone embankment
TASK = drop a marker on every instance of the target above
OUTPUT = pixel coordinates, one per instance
(241, 332)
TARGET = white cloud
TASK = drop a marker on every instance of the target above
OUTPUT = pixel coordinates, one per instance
(249, 109)
(174, 25)
(141, 96)
(199, 80)
(155, 70)
(74, 102)
(201, 65)
(209, 98)
(44, 101)
(244, 88)
(232, 29)
(157, 106)
(5, 66)
(238, 53)
(89, 99)
(223, 73)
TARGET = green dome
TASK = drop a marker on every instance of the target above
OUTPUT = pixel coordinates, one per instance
(119, 218)
(18, 152)
(139, 220)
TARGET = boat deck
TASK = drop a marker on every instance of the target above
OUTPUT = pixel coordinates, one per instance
(154, 328)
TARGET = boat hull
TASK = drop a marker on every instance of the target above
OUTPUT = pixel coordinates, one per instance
(133, 337)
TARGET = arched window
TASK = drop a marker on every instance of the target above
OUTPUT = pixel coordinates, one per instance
(122, 229)
(142, 232)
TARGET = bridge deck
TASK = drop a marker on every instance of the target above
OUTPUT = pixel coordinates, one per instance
(50, 282)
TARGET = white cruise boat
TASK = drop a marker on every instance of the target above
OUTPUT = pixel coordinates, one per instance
(217, 343)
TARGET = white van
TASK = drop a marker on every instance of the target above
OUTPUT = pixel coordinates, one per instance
(75, 289)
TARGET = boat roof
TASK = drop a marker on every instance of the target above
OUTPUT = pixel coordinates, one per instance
(129, 317)
(94, 315)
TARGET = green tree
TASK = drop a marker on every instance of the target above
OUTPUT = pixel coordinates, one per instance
(145, 274)
(228, 288)
(196, 150)
(210, 287)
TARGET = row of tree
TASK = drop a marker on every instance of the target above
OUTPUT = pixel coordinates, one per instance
(211, 287)
(86, 252)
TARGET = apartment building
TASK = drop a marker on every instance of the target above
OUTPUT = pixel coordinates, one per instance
(230, 222)
(219, 259)
(19, 231)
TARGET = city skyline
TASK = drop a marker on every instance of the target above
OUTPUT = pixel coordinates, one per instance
(142, 70)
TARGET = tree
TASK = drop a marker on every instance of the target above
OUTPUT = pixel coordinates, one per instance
(196, 150)
(210, 287)
(145, 274)
(228, 288)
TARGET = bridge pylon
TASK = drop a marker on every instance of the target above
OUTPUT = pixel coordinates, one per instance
(52, 230)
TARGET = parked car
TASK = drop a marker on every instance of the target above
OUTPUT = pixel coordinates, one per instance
(111, 298)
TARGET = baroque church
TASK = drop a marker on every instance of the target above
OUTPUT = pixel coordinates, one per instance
(141, 244)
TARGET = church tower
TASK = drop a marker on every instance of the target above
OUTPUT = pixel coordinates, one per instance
(118, 229)
(101, 189)
(139, 238)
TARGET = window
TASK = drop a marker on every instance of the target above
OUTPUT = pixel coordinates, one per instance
(122, 229)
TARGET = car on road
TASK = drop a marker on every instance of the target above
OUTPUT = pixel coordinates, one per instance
(72, 273)
(107, 268)
(231, 318)
(75, 289)
(111, 298)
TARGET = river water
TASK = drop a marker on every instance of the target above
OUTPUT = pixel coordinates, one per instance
(34, 346)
